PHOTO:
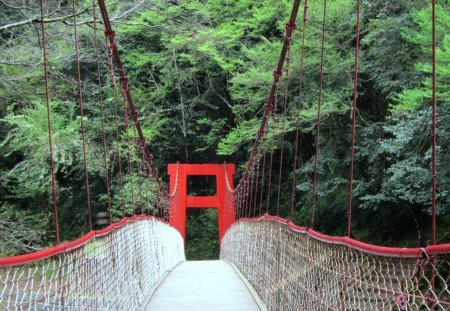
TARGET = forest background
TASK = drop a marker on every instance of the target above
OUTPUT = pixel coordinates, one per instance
(200, 72)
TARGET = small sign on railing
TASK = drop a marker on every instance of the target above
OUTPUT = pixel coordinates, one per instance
(102, 218)
(102, 221)
(102, 215)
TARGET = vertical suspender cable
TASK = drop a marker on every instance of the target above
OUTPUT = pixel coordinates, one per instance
(352, 155)
(49, 123)
(433, 142)
(116, 121)
(272, 143)
(83, 129)
(152, 192)
(300, 94)
(239, 201)
(100, 86)
(265, 138)
(147, 186)
(246, 194)
(124, 88)
(242, 196)
(252, 183)
(319, 102)
(289, 29)
(256, 187)
(355, 96)
(139, 168)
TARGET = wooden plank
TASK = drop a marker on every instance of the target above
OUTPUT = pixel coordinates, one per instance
(203, 286)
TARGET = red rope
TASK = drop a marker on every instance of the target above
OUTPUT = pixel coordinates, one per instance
(240, 202)
(246, 196)
(274, 127)
(124, 87)
(252, 184)
(83, 129)
(256, 187)
(433, 143)
(316, 157)
(139, 168)
(100, 86)
(249, 193)
(116, 121)
(289, 30)
(49, 123)
(355, 96)
(263, 171)
(241, 208)
(297, 126)
(147, 199)
(150, 187)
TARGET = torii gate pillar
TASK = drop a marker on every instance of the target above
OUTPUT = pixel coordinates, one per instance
(181, 201)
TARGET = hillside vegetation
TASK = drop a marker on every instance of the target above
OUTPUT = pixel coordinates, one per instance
(200, 72)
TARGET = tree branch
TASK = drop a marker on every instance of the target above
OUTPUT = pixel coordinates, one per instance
(38, 20)
(64, 19)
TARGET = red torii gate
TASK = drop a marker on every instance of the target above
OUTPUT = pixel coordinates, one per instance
(181, 201)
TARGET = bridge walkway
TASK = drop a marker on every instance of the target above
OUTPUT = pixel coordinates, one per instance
(204, 286)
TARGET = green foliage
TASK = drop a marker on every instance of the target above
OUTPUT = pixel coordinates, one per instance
(200, 72)
(28, 137)
(243, 133)
(202, 234)
(22, 231)
(420, 95)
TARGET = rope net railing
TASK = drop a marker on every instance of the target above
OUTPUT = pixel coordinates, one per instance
(113, 268)
(295, 268)
(110, 269)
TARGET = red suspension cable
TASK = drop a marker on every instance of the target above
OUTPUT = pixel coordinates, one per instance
(256, 187)
(319, 102)
(49, 123)
(83, 129)
(248, 194)
(147, 187)
(139, 168)
(265, 137)
(433, 143)
(297, 126)
(150, 186)
(124, 87)
(100, 90)
(116, 122)
(355, 96)
(252, 184)
(274, 127)
(286, 88)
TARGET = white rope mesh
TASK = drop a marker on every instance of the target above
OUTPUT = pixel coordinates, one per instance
(112, 272)
(291, 270)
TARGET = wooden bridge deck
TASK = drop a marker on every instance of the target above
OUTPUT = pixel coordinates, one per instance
(204, 285)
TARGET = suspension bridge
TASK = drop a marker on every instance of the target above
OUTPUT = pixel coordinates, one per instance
(266, 261)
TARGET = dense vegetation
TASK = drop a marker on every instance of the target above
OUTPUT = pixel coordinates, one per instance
(200, 72)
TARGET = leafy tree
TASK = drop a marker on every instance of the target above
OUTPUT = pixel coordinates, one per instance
(420, 94)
